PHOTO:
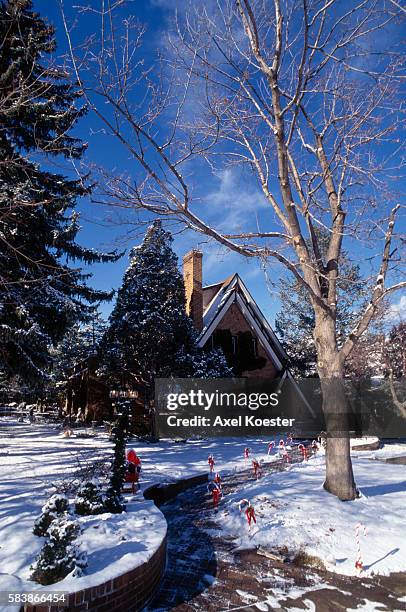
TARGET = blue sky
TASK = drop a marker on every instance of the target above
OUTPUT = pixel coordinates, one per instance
(236, 194)
(233, 193)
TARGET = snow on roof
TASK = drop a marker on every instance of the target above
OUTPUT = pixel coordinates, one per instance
(220, 303)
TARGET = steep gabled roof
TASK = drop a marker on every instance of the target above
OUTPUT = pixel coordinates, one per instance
(231, 291)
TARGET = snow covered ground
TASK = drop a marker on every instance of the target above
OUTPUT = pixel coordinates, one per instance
(32, 460)
(168, 460)
(114, 544)
(294, 512)
(292, 508)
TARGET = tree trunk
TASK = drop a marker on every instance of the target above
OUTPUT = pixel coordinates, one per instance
(339, 474)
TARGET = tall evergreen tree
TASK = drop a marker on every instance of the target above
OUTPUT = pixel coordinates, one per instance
(150, 333)
(41, 296)
(79, 343)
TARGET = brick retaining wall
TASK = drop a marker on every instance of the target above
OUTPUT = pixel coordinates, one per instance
(129, 592)
(162, 492)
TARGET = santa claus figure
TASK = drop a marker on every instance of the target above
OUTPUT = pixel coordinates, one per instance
(133, 469)
(246, 454)
(211, 462)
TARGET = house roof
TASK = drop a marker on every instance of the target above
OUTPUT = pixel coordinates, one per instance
(217, 300)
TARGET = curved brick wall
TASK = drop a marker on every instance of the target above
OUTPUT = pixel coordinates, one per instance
(129, 592)
(162, 493)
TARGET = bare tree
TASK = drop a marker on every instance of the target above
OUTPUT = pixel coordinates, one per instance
(304, 93)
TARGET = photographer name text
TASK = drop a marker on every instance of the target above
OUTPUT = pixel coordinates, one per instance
(219, 421)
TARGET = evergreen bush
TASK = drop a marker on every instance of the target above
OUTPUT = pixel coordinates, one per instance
(55, 506)
(60, 555)
(89, 499)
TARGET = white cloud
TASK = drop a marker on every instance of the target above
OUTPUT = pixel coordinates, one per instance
(397, 311)
(236, 201)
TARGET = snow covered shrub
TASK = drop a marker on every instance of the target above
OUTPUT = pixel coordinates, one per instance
(60, 555)
(56, 505)
(89, 499)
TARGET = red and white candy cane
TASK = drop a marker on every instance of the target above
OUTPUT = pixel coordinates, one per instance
(303, 450)
(270, 447)
(358, 563)
(243, 504)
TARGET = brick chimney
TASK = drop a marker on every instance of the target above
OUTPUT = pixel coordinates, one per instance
(193, 278)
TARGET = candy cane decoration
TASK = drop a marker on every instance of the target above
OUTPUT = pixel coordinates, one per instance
(250, 514)
(249, 511)
(256, 468)
(270, 447)
(243, 504)
(283, 452)
(358, 563)
(303, 450)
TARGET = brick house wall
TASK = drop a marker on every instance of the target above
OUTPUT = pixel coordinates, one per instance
(235, 322)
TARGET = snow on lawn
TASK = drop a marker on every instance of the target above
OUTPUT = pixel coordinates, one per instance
(32, 459)
(35, 457)
(114, 543)
(294, 511)
(362, 441)
(168, 460)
